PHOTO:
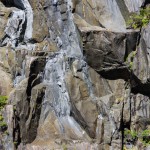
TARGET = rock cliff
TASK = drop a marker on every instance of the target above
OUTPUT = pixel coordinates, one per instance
(77, 78)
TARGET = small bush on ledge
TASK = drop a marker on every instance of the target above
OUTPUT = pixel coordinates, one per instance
(139, 20)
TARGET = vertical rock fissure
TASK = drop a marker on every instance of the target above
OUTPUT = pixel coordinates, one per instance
(74, 79)
(122, 128)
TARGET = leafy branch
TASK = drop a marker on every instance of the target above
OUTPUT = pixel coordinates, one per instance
(141, 19)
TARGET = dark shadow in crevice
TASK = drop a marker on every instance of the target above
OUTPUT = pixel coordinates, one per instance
(22, 33)
(32, 128)
(30, 117)
(122, 128)
(16, 131)
(114, 74)
(37, 66)
(145, 3)
(13, 3)
(1, 41)
(132, 41)
(137, 86)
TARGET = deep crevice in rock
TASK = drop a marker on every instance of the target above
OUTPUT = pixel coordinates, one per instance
(22, 33)
(34, 122)
(34, 92)
(122, 128)
(16, 130)
(145, 3)
(13, 3)
(36, 67)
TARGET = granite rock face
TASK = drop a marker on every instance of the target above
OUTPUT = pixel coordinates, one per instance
(75, 76)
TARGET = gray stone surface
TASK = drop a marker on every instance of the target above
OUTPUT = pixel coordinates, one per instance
(75, 76)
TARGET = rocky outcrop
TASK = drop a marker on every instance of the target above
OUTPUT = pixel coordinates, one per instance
(75, 76)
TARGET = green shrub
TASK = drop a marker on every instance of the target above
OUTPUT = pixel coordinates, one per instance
(141, 19)
(146, 133)
(64, 147)
(132, 133)
(130, 59)
(1, 118)
(3, 124)
(3, 101)
(143, 136)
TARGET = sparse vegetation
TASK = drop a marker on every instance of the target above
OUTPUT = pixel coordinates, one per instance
(3, 101)
(130, 58)
(141, 19)
(1, 117)
(6, 133)
(131, 65)
(65, 147)
(15, 143)
(143, 136)
(133, 134)
(3, 124)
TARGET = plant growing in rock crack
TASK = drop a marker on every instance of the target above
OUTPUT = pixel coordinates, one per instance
(141, 19)
(129, 59)
(3, 102)
(64, 147)
(6, 133)
(15, 143)
(143, 136)
(1, 117)
(131, 133)
(3, 125)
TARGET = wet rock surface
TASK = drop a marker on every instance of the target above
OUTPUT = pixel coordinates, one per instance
(75, 76)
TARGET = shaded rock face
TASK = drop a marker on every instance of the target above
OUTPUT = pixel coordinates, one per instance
(75, 76)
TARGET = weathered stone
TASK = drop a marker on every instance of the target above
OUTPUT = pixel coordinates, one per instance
(99, 13)
(8, 115)
(5, 82)
(40, 29)
(4, 14)
(75, 68)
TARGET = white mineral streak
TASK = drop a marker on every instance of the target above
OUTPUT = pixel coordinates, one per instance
(13, 25)
(54, 77)
(56, 95)
(29, 17)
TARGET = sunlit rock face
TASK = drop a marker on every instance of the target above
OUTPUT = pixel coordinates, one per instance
(134, 5)
(75, 76)
(103, 13)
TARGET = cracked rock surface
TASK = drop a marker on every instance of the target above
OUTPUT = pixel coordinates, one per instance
(76, 77)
